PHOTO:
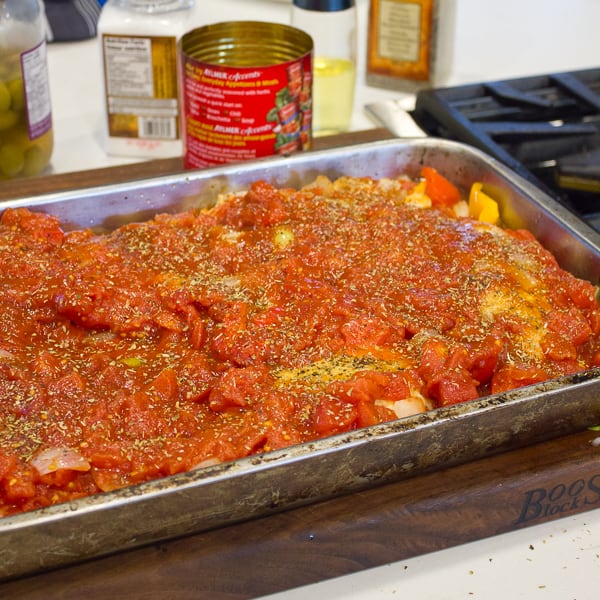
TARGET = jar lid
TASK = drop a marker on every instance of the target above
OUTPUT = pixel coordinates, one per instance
(324, 5)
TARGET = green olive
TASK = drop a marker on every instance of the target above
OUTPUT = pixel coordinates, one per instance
(4, 97)
(8, 119)
(12, 159)
(35, 161)
(17, 93)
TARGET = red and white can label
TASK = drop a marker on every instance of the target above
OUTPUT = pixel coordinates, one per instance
(235, 114)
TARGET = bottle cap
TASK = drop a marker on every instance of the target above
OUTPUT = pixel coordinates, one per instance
(324, 5)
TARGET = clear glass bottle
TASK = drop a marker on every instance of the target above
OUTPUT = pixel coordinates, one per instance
(138, 41)
(332, 25)
(26, 137)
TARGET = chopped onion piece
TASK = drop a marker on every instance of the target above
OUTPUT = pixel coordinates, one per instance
(407, 407)
(207, 462)
(54, 459)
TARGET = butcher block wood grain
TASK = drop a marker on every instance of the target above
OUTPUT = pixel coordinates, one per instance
(426, 513)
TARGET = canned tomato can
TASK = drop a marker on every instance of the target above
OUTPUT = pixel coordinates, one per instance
(246, 91)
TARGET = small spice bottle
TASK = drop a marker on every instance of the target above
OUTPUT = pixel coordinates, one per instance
(138, 41)
(410, 43)
(26, 137)
(332, 26)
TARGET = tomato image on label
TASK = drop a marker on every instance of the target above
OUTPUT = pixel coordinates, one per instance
(289, 118)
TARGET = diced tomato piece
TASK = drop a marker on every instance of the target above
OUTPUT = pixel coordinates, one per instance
(41, 227)
(457, 359)
(165, 385)
(366, 386)
(433, 358)
(108, 458)
(168, 320)
(368, 414)
(333, 416)
(47, 366)
(7, 464)
(262, 205)
(582, 292)
(365, 333)
(281, 438)
(71, 385)
(439, 189)
(398, 387)
(557, 347)
(59, 478)
(271, 316)
(509, 377)
(571, 324)
(196, 378)
(20, 484)
(236, 387)
(452, 387)
(484, 359)
(197, 333)
(594, 321)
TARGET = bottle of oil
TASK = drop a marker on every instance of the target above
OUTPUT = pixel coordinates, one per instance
(332, 25)
(138, 41)
(26, 137)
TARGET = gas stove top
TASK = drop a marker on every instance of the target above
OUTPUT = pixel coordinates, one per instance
(546, 128)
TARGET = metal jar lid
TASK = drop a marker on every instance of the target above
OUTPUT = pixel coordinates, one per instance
(324, 5)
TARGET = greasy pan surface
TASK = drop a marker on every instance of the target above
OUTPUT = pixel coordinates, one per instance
(278, 480)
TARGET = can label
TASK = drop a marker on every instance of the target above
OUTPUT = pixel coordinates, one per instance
(234, 114)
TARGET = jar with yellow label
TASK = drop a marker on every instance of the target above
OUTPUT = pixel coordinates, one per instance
(26, 138)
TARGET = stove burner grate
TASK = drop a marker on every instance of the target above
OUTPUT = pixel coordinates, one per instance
(546, 128)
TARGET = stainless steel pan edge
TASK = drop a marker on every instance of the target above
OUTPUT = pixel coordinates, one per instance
(260, 485)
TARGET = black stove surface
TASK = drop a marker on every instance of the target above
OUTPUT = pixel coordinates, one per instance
(546, 128)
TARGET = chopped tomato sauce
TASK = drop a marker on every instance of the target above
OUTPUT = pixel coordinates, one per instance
(274, 318)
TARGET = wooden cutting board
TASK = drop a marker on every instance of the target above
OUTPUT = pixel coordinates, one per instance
(423, 514)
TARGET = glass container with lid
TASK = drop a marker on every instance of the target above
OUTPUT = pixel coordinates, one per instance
(26, 137)
(138, 43)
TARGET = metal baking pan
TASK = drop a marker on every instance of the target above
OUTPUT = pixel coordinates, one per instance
(259, 485)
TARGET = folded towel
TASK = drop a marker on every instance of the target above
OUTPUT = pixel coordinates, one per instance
(70, 20)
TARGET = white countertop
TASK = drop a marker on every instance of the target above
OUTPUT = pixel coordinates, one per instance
(492, 40)
(558, 560)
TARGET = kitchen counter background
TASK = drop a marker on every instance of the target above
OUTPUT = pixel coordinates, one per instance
(493, 40)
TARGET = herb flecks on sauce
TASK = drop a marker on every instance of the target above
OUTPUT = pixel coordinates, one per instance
(274, 318)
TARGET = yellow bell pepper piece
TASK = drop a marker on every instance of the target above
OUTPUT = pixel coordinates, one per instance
(481, 206)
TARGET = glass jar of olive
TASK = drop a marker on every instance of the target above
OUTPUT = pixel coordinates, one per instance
(26, 138)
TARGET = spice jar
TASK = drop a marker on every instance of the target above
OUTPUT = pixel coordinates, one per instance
(332, 26)
(26, 137)
(138, 40)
